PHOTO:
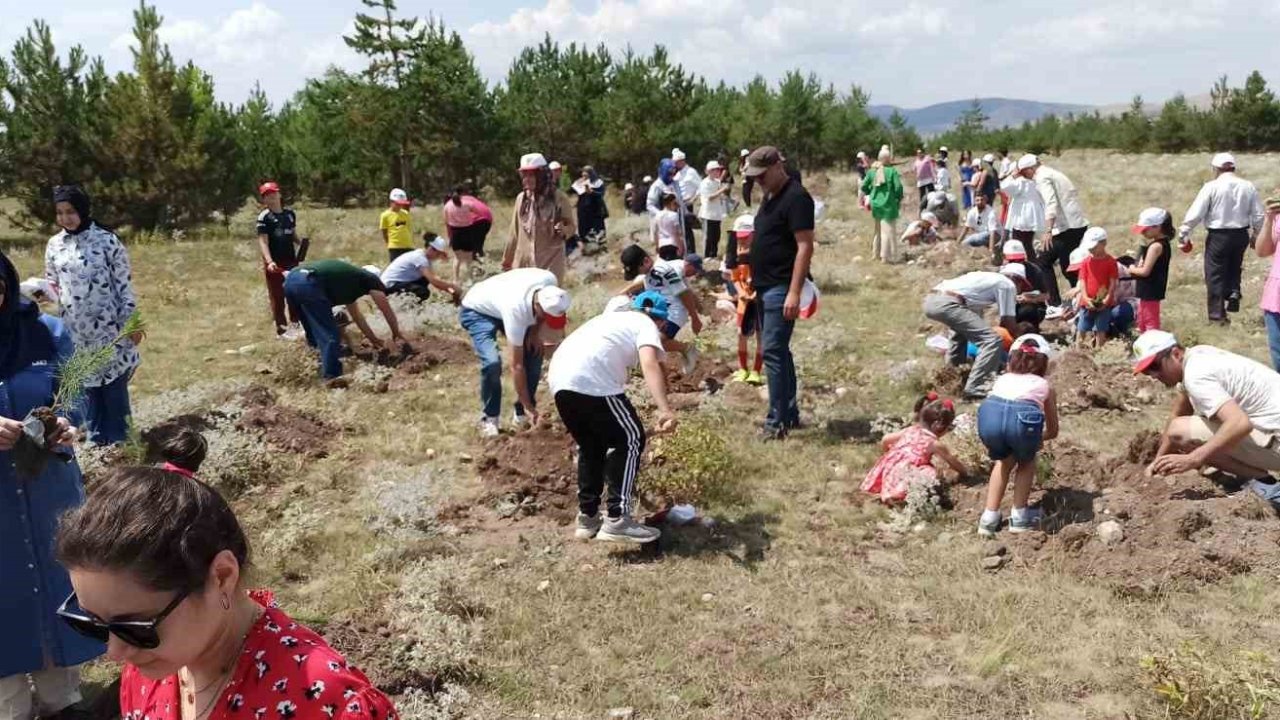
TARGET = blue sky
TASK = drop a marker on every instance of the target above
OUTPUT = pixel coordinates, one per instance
(910, 53)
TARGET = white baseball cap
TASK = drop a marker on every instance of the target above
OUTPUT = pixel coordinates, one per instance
(862, 155)
(1222, 160)
(555, 165)
(929, 217)
(1093, 237)
(1076, 259)
(628, 186)
(647, 179)
(1038, 340)
(1148, 347)
(399, 197)
(439, 244)
(744, 224)
(677, 154)
(1014, 250)
(533, 161)
(1152, 217)
(988, 158)
(1014, 270)
(713, 165)
(372, 269)
(554, 302)
(943, 149)
(1028, 161)
(744, 152)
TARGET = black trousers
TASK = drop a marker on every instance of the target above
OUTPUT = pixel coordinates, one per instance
(747, 185)
(420, 287)
(711, 238)
(691, 221)
(1060, 252)
(1223, 260)
(610, 439)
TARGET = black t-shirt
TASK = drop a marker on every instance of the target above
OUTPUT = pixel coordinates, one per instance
(280, 229)
(1154, 286)
(773, 249)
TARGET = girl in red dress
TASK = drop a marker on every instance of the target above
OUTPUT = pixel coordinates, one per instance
(156, 561)
(909, 453)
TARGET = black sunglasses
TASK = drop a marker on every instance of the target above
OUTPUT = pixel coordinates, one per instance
(143, 634)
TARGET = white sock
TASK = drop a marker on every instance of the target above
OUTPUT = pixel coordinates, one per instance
(990, 517)
(1021, 513)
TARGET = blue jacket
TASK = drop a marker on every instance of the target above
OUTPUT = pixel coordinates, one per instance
(32, 583)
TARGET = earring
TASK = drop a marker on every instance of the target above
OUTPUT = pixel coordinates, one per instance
(226, 602)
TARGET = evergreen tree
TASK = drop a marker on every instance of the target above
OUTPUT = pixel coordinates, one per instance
(1175, 129)
(389, 42)
(969, 126)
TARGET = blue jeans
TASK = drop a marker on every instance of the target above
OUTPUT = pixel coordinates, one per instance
(1010, 428)
(304, 291)
(107, 412)
(1094, 320)
(1122, 317)
(1272, 321)
(779, 365)
(483, 330)
(982, 239)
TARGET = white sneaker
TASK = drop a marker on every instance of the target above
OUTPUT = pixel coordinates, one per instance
(489, 427)
(520, 421)
(626, 530)
(587, 527)
(689, 361)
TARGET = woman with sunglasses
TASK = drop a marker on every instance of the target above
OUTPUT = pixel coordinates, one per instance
(157, 560)
(36, 647)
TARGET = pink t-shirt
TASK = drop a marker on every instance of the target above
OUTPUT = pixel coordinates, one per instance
(1013, 386)
(470, 212)
(1271, 291)
(482, 211)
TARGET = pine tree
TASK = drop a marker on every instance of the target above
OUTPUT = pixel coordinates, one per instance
(969, 126)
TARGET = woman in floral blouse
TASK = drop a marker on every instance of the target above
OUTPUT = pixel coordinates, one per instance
(157, 561)
(89, 269)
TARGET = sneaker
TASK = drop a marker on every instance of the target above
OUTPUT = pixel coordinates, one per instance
(626, 530)
(520, 420)
(1029, 522)
(689, 361)
(587, 526)
(755, 378)
(1233, 303)
(741, 376)
(989, 530)
(489, 427)
(338, 383)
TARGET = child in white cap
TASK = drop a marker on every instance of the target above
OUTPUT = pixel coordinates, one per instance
(1099, 275)
(1155, 225)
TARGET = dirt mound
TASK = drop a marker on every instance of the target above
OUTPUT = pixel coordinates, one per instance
(1082, 384)
(1143, 447)
(428, 353)
(949, 380)
(942, 254)
(708, 376)
(283, 427)
(531, 472)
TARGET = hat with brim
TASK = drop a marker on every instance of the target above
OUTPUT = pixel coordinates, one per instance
(1222, 160)
(1014, 250)
(1093, 237)
(267, 188)
(1152, 217)
(532, 161)
(1149, 346)
(652, 303)
(761, 159)
(554, 302)
(1077, 258)
(809, 297)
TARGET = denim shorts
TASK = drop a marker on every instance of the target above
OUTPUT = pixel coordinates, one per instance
(1010, 428)
(1094, 320)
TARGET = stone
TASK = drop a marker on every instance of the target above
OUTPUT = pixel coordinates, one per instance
(431, 453)
(995, 562)
(544, 585)
(465, 459)
(994, 549)
(708, 597)
(500, 562)
(247, 349)
(842, 391)
(621, 713)
(1110, 532)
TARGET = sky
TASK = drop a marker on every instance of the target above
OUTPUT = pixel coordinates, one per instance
(911, 53)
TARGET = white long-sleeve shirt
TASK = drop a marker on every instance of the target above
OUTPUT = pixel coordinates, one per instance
(688, 180)
(1026, 206)
(1062, 209)
(1224, 203)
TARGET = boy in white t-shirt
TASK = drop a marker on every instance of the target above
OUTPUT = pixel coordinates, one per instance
(413, 272)
(588, 378)
(666, 231)
(980, 226)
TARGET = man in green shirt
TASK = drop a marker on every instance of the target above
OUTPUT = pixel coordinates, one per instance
(316, 287)
(883, 185)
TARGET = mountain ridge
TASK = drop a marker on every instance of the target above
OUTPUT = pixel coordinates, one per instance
(1001, 112)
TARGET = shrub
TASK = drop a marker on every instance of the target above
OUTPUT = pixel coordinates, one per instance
(1246, 686)
(693, 465)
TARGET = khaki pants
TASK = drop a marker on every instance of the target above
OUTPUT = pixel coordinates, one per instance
(55, 689)
(1259, 450)
(884, 244)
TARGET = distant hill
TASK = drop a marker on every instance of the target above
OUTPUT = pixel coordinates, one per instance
(1003, 112)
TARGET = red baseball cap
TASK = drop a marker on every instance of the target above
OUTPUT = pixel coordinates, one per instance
(268, 187)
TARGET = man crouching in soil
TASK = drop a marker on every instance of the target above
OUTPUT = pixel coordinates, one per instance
(1226, 415)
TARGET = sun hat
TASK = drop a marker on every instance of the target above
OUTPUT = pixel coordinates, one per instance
(628, 186)
(861, 155)
(1152, 217)
(1077, 258)
(761, 159)
(677, 154)
(532, 161)
(988, 158)
(554, 302)
(1223, 159)
(744, 225)
(1149, 346)
(652, 303)
(399, 197)
(1028, 161)
(268, 187)
(943, 149)
(1014, 270)
(1014, 250)
(744, 152)
(1093, 237)
(554, 165)
(647, 179)
(714, 165)
(1040, 343)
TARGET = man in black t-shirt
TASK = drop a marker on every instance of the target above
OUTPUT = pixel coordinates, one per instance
(278, 243)
(780, 256)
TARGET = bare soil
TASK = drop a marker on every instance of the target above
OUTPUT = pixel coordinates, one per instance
(428, 353)
(1083, 385)
(532, 472)
(283, 427)
(709, 376)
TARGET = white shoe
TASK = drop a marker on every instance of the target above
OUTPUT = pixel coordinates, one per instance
(489, 427)
(626, 530)
(689, 361)
(519, 421)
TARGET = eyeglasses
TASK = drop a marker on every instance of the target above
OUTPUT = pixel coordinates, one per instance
(142, 634)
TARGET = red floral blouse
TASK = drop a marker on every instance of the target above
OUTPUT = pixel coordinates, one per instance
(286, 672)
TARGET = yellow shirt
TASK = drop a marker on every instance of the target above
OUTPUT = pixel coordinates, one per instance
(396, 223)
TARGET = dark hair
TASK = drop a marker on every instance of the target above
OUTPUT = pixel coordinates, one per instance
(923, 400)
(429, 237)
(938, 414)
(633, 256)
(670, 198)
(458, 192)
(1025, 328)
(162, 527)
(1028, 360)
(177, 444)
(1167, 231)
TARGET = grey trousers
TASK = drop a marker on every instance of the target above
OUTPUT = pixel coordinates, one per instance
(967, 326)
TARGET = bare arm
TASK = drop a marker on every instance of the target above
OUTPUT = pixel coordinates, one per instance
(1148, 264)
(799, 273)
(1235, 427)
(1266, 245)
(358, 318)
(523, 391)
(430, 276)
(656, 381)
(1050, 415)
(379, 299)
(887, 443)
(266, 252)
(509, 252)
(690, 303)
(1181, 408)
(950, 459)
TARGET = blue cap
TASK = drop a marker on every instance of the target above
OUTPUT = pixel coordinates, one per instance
(652, 303)
(695, 260)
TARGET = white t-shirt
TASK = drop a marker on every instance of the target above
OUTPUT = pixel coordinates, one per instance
(406, 268)
(984, 221)
(596, 358)
(668, 225)
(688, 181)
(1211, 377)
(667, 277)
(712, 208)
(982, 289)
(509, 297)
(918, 226)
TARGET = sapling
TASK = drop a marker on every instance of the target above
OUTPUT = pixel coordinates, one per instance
(39, 429)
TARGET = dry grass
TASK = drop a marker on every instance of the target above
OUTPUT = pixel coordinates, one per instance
(797, 606)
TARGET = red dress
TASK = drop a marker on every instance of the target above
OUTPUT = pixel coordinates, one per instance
(286, 672)
(911, 456)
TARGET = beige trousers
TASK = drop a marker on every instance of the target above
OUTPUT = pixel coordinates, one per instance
(884, 244)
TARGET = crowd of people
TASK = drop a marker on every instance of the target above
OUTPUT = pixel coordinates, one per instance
(150, 569)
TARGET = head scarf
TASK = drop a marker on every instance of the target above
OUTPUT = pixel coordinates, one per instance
(666, 170)
(882, 160)
(23, 338)
(593, 178)
(539, 207)
(79, 200)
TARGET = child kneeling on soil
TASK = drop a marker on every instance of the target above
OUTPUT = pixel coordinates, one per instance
(670, 278)
(909, 452)
(1018, 416)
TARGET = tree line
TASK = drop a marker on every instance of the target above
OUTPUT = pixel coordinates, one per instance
(158, 150)
(1245, 118)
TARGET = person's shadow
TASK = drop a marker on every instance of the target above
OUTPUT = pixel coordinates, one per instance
(745, 541)
(1063, 506)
